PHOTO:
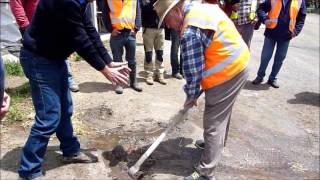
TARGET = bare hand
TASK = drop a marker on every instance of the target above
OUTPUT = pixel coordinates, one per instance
(115, 33)
(117, 73)
(267, 22)
(189, 103)
(293, 35)
(5, 105)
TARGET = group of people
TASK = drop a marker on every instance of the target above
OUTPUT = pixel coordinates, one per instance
(215, 58)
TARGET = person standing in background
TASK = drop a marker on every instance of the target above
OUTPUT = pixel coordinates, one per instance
(243, 14)
(152, 38)
(284, 20)
(123, 21)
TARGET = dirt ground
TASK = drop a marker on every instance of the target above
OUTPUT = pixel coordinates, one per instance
(274, 133)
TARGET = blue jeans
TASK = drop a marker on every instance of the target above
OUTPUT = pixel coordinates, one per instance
(127, 41)
(267, 51)
(174, 58)
(70, 77)
(53, 106)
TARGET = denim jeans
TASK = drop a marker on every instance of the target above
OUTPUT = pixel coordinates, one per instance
(127, 41)
(53, 107)
(1, 81)
(175, 45)
(267, 51)
(70, 77)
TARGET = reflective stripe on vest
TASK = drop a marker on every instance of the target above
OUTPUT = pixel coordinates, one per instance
(122, 13)
(276, 6)
(227, 55)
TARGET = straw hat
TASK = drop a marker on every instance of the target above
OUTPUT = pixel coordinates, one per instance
(162, 7)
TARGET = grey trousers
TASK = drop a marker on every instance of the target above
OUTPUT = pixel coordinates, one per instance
(246, 31)
(219, 101)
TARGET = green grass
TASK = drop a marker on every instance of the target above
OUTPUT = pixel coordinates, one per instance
(21, 105)
(13, 69)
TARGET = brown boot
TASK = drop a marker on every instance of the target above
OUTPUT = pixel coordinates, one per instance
(160, 79)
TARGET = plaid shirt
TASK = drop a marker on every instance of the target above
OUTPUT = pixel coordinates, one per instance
(243, 12)
(194, 42)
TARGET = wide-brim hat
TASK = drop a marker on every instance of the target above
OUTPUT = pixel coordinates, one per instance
(162, 7)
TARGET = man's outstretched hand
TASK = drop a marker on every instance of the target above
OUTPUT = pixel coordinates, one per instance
(4, 108)
(117, 73)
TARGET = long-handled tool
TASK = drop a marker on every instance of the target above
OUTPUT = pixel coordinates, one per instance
(176, 120)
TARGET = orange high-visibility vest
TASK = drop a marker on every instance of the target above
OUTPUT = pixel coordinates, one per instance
(228, 54)
(276, 6)
(122, 13)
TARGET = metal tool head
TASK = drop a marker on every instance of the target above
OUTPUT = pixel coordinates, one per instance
(134, 173)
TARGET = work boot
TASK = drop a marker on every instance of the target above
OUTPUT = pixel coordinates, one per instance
(257, 81)
(200, 144)
(273, 83)
(160, 79)
(196, 176)
(177, 76)
(119, 90)
(149, 79)
(133, 78)
(77, 158)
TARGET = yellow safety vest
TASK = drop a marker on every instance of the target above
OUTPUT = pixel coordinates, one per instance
(276, 6)
(122, 13)
(252, 14)
(227, 55)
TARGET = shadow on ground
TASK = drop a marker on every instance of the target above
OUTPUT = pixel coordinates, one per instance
(91, 87)
(308, 98)
(53, 159)
(259, 87)
(171, 157)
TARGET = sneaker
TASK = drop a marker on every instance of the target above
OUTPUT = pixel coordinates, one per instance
(199, 144)
(196, 176)
(74, 87)
(177, 76)
(257, 81)
(273, 83)
(77, 158)
(119, 90)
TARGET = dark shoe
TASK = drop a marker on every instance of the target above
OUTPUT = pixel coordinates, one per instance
(273, 84)
(74, 87)
(177, 76)
(77, 158)
(199, 144)
(41, 177)
(133, 78)
(196, 176)
(119, 90)
(257, 81)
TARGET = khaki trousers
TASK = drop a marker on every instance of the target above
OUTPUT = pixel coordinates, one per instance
(153, 38)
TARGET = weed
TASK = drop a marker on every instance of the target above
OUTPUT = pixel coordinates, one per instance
(13, 69)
